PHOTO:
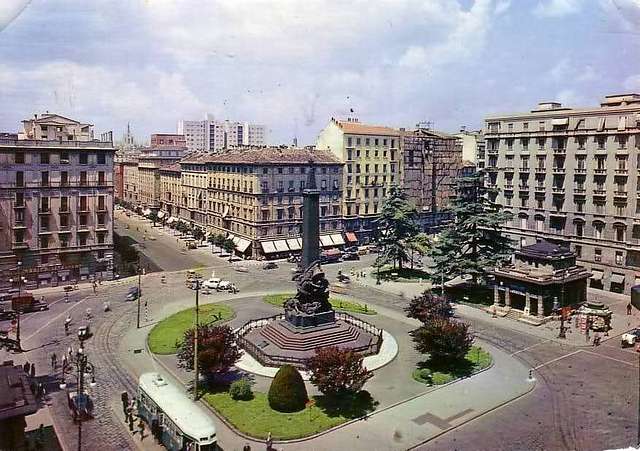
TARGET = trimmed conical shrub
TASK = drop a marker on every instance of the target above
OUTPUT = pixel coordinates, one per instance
(287, 392)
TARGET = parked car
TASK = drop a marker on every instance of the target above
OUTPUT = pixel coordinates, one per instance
(212, 283)
(330, 256)
(350, 256)
(630, 338)
(224, 285)
(240, 268)
(132, 294)
(6, 312)
(294, 259)
(27, 303)
(270, 265)
(351, 249)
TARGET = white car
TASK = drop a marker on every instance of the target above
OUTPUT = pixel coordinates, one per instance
(630, 338)
(212, 283)
(224, 285)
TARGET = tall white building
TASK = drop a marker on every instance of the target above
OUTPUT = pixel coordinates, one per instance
(212, 135)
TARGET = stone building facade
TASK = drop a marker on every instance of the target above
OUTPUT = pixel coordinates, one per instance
(570, 176)
(56, 203)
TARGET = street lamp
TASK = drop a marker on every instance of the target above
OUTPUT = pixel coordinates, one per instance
(139, 291)
(562, 333)
(197, 283)
(20, 281)
(79, 366)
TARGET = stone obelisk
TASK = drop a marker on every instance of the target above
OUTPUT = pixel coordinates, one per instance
(310, 220)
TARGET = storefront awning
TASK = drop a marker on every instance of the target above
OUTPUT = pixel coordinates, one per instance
(337, 239)
(617, 278)
(325, 241)
(351, 237)
(236, 240)
(230, 236)
(161, 214)
(294, 245)
(596, 275)
(243, 245)
(268, 247)
(281, 245)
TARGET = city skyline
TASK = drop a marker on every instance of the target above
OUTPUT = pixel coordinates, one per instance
(450, 62)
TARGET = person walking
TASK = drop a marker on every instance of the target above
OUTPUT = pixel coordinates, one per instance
(64, 360)
(629, 308)
(246, 447)
(124, 397)
(141, 428)
(32, 370)
(269, 442)
(130, 419)
(54, 361)
(66, 328)
(26, 367)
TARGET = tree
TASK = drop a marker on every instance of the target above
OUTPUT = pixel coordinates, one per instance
(398, 223)
(443, 339)
(428, 307)
(474, 243)
(337, 371)
(217, 349)
(153, 217)
(418, 244)
(229, 246)
(198, 233)
(287, 392)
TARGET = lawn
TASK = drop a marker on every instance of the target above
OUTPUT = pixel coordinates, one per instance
(438, 373)
(257, 419)
(336, 303)
(165, 334)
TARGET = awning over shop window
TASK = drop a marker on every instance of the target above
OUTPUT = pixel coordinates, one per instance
(236, 240)
(325, 241)
(243, 245)
(596, 275)
(281, 245)
(294, 245)
(351, 237)
(268, 247)
(617, 278)
(337, 239)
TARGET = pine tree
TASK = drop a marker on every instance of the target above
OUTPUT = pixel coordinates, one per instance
(398, 224)
(474, 243)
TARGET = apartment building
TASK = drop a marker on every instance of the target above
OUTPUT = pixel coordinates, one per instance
(214, 135)
(255, 196)
(473, 146)
(170, 189)
(56, 203)
(372, 160)
(131, 182)
(570, 176)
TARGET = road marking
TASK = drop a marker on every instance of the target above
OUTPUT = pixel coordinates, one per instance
(532, 346)
(556, 359)
(75, 304)
(610, 358)
(442, 423)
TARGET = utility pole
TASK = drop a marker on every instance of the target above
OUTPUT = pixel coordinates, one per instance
(195, 342)
(139, 289)
(562, 333)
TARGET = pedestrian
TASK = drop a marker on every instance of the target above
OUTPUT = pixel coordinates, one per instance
(130, 419)
(64, 360)
(66, 328)
(246, 447)
(141, 427)
(629, 308)
(269, 442)
(95, 286)
(54, 361)
(70, 351)
(26, 367)
(32, 370)
(124, 397)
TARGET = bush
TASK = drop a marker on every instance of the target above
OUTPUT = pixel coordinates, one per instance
(443, 339)
(337, 371)
(241, 389)
(429, 306)
(287, 392)
(217, 349)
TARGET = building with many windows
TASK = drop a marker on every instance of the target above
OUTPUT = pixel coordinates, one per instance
(571, 176)
(254, 195)
(372, 164)
(213, 135)
(56, 203)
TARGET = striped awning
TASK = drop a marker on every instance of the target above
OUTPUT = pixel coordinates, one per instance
(337, 239)
(268, 247)
(242, 245)
(281, 245)
(294, 244)
(325, 241)
(351, 237)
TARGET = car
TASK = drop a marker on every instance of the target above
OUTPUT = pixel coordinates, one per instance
(132, 294)
(212, 283)
(270, 265)
(7, 313)
(350, 256)
(240, 268)
(224, 285)
(630, 338)
(294, 259)
(351, 249)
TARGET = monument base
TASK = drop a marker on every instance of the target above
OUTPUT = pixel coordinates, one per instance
(303, 320)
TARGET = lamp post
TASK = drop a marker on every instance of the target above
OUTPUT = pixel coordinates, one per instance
(20, 281)
(139, 291)
(562, 333)
(197, 282)
(79, 366)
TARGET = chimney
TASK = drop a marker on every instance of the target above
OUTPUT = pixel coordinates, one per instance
(463, 128)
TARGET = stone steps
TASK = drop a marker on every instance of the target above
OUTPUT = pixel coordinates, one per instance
(308, 341)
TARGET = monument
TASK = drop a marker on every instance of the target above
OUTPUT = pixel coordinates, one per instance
(309, 321)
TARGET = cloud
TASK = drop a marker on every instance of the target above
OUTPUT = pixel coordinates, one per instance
(10, 9)
(501, 7)
(557, 8)
(632, 83)
(625, 14)
(569, 97)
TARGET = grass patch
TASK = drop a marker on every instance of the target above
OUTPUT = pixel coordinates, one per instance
(438, 373)
(337, 303)
(402, 275)
(165, 334)
(255, 418)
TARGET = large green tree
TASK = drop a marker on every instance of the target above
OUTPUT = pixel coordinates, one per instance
(474, 242)
(398, 223)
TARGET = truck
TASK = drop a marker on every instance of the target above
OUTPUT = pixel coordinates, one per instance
(25, 303)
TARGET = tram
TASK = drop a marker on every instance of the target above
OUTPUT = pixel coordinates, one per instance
(179, 422)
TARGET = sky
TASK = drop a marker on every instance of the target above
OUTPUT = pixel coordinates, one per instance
(292, 65)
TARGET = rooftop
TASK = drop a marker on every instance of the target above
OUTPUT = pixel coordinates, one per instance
(356, 128)
(16, 398)
(545, 249)
(265, 155)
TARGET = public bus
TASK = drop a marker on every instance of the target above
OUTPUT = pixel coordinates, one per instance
(179, 422)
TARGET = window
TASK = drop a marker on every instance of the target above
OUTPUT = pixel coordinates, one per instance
(540, 224)
(578, 250)
(580, 205)
(601, 141)
(279, 170)
(101, 203)
(83, 178)
(64, 221)
(19, 178)
(265, 187)
(101, 178)
(349, 143)
(510, 127)
(376, 142)
(508, 200)
(579, 228)
(44, 158)
(102, 158)
(597, 255)
(598, 228)
(358, 141)
(525, 163)
(44, 178)
(291, 185)
(621, 233)
(44, 242)
(265, 170)
(44, 204)
(540, 203)
(525, 143)
(82, 239)
(622, 141)
(280, 186)
(19, 157)
(525, 126)
(84, 158)
(523, 222)
(367, 141)
(619, 257)
(581, 141)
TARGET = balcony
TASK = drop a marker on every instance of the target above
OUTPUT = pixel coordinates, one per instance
(558, 170)
(599, 193)
(102, 207)
(557, 190)
(559, 150)
(580, 170)
(579, 191)
(619, 193)
(44, 211)
(492, 168)
(19, 205)
(19, 225)
(508, 187)
(622, 172)
(19, 245)
(600, 171)
(525, 169)
(492, 151)
(83, 208)
(509, 169)
(523, 187)
(540, 189)
(45, 232)
(558, 214)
